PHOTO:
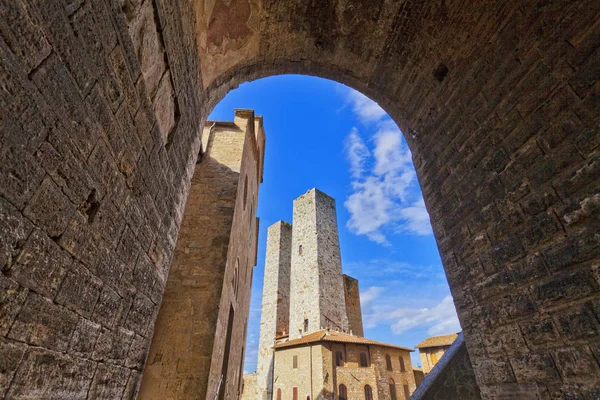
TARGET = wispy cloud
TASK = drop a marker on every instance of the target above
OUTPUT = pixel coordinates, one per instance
(383, 180)
(366, 109)
(380, 308)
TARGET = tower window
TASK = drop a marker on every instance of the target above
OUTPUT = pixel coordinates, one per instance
(363, 359)
(402, 367)
(245, 190)
(295, 362)
(406, 391)
(392, 389)
(388, 362)
(300, 250)
(339, 359)
(369, 393)
(306, 325)
(295, 393)
(343, 392)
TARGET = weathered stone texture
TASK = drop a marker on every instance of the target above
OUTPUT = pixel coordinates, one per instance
(353, 310)
(316, 283)
(498, 101)
(275, 310)
(213, 258)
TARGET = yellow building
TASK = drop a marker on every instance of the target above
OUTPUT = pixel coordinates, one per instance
(433, 348)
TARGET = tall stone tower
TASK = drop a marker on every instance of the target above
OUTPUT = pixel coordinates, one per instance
(317, 288)
(274, 320)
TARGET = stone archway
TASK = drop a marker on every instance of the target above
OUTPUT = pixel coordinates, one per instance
(103, 103)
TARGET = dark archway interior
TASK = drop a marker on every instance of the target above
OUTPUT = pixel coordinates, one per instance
(103, 105)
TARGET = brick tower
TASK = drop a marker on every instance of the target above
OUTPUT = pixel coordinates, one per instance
(274, 320)
(317, 287)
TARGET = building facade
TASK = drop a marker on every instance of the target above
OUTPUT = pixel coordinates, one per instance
(433, 348)
(214, 258)
(311, 332)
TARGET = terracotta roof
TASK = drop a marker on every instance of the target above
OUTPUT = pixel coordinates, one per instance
(337, 337)
(437, 341)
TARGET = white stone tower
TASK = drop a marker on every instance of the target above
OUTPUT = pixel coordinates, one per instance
(317, 287)
(274, 320)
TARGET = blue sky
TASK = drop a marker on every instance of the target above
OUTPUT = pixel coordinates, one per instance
(323, 134)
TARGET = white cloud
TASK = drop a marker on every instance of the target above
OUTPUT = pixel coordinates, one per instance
(366, 109)
(357, 152)
(437, 320)
(384, 183)
(440, 319)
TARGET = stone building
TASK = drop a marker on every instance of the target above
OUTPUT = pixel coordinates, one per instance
(433, 348)
(214, 258)
(103, 108)
(311, 343)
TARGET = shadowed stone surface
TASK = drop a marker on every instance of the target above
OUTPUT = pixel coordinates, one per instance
(499, 102)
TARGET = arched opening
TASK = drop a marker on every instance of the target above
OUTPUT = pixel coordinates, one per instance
(499, 105)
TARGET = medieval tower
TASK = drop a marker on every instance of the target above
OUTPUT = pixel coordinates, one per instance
(316, 284)
(274, 320)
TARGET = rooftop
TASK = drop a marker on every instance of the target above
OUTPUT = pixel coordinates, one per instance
(437, 341)
(336, 337)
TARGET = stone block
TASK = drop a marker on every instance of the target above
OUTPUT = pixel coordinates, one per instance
(107, 309)
(11, 354)
(14, 230)
(84, 338)
(50, 209)
(539, 333)
(109, 382)
(42, 265)
(579, 323)
(42, 323)
(45, 374)
(141, 315)
(80, 290)
(565, 287)
(137, 353)
(576, 363)
(20, 176)
(12, 297)
(113, 346)
(534, 367)
(144, 275)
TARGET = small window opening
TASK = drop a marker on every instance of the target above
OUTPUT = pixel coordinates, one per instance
(368, 393)
(392, 389)
(295, 362)
(440, 72)
(245, 191)
(300, 250)
(339, 359)
(363, 360)
(402, 367)
(343, 392)
(306, 325)
(406, 391)
(388, 362)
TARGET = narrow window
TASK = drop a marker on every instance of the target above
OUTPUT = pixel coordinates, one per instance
(306, 325)
(245, 191)
(343, 392)
(406, 391)
(295, 362)
(402, 367)
(300, 250)
(363, 360)
(388, 362)
(278, 394)
(392, 389)
(339, 359)
(368, 393)
(295, 393)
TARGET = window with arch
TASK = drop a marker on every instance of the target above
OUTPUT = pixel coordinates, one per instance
(368, 393)
(343, 392)
(406, 391)
(295, 393)
(388, 362)
(364, 361)
(392, 389)
(300, 250)
(295, 362)
(339, 359)
(278, 394)
(245, 191)
(402, 367)
(235, 280)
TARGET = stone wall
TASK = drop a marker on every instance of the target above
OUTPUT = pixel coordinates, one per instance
(274, 318)
(353, 310)
(316, 288)
(452, 378)
(209, 263)
(430, 356)
(498, 100)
